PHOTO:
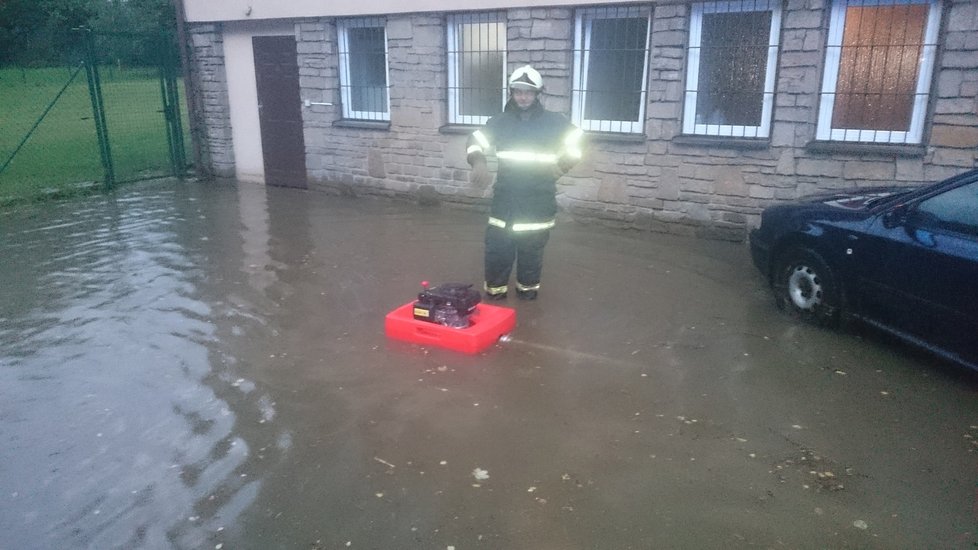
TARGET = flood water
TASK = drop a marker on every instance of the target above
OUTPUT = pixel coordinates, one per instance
(189, 365)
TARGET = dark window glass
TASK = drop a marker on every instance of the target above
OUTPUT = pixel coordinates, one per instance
(368, 69)
(615, 68)
(733, 65)
(956, 209)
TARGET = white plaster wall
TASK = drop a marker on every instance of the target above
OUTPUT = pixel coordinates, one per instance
(237, 10)
(239, 62)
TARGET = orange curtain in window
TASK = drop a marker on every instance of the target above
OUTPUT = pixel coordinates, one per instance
(881, 47)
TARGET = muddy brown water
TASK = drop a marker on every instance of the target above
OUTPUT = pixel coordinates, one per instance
(190, 365)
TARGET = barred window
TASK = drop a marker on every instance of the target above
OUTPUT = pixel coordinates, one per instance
(611, 54)
(363, 69)
(878, 70)
(476, 67)
(733, 50)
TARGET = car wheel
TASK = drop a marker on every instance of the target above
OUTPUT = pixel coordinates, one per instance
(805, 286)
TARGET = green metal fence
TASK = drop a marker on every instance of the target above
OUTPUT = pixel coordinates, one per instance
(95, 123)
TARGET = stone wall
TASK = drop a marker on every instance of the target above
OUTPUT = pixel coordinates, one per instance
(663, 182)
(954, 134)
(210, 86)
(410, 155)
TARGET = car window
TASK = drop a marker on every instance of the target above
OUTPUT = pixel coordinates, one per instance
(955, 210)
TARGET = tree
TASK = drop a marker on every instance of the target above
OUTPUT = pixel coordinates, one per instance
(19, 21)
(42, 32)
(131, 31)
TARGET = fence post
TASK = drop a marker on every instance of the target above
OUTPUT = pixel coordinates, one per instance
(98, 107)
(171, 106)
(190, 88)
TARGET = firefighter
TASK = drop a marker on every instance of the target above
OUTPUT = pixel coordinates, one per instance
(533, 147)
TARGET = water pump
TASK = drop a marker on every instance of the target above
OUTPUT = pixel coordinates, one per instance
(449, 304)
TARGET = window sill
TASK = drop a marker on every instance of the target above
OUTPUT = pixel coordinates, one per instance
(887, 149)
(459, 128)
(722, 141)
(363, 124)
(615, 136)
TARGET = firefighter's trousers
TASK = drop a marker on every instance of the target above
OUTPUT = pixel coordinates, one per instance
(503, 247)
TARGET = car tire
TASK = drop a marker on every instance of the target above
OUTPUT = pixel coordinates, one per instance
(806, 287)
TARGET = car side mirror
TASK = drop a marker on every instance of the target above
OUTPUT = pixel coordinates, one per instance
(896, 216)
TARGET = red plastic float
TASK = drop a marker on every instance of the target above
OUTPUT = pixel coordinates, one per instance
(486, 325)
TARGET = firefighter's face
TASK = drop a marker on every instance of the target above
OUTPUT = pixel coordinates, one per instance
(524, 98)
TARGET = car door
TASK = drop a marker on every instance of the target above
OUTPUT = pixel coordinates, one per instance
(921, 271)
(946, 228)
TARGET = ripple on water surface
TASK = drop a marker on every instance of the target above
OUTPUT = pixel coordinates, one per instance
(112, 421)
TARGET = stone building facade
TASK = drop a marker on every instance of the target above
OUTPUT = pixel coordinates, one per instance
(662, 181)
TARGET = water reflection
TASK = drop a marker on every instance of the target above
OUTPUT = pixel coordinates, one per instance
(195, 365)
(119, 416)
(253, 208)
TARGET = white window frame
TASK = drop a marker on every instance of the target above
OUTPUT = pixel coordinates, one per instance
(833, 57)
(582, 51)
(763, 130)
(342, 34)
(454, 48)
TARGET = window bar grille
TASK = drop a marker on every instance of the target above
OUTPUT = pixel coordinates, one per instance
(879, 61)
(730, 79)
(609, 90)
(364, 86)
(476, 66)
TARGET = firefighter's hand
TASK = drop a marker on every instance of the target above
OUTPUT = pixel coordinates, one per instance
(564, 165)
(480, 175)
(561, 167)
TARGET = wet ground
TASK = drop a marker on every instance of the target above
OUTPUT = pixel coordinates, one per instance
(205, 366)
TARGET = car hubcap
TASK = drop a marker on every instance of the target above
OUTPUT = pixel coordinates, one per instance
(804, 288)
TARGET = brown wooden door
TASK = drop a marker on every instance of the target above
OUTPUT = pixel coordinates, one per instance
(280, 110)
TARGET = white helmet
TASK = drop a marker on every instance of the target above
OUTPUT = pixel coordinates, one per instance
(526, 78)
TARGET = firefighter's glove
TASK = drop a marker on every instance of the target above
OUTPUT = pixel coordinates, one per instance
(480, 176)
(564, 164)
(560, 168)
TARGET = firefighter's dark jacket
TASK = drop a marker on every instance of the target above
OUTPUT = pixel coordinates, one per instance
(533, 148)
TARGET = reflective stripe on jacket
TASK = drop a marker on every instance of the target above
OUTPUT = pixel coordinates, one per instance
(522, 227)
(532, 147)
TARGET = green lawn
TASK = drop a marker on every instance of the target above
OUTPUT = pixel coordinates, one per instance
(63, 151)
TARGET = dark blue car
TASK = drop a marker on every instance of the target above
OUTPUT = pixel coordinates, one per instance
(904, 259)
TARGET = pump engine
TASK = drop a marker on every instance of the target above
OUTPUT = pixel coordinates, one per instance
(449, 304)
